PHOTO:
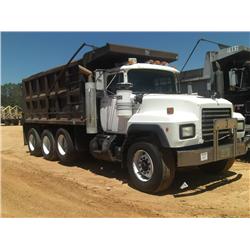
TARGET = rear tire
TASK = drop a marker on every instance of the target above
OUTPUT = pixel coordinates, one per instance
(150, 171)
(218, 167)
(48, 146)
(64, 146)
(34, 142)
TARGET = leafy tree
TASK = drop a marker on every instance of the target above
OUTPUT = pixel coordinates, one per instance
(11, 94)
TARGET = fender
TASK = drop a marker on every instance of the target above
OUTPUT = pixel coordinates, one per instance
(149, 128)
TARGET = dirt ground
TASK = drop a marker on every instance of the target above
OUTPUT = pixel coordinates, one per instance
(34, 187)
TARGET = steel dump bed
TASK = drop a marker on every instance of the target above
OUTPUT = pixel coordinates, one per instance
(58, 95)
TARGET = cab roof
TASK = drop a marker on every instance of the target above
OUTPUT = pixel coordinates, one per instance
(149, 66)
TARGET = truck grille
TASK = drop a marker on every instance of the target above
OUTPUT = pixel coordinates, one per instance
(208, 117)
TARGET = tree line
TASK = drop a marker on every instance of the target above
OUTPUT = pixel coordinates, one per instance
(11, 94)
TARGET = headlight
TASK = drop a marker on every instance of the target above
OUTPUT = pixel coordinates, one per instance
(240, 126)
(187, 131)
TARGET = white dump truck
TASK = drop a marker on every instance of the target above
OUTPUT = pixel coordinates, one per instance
(123, 104)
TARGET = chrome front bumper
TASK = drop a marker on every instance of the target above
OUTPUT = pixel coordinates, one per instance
(196, 157)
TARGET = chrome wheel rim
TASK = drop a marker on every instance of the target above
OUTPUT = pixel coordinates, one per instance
(32, 142)
(62, 144)
(143, 166)
(46, 145)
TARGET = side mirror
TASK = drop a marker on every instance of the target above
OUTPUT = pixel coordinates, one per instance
(209, 86)
(99, 76)
(233, 81)
(190, 89)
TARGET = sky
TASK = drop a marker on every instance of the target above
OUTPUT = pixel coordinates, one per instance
(27, 53)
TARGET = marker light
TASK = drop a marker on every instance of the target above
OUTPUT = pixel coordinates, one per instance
(170, 110)
(164, 63)
(150, 61)
(132, 61)
(157, 62)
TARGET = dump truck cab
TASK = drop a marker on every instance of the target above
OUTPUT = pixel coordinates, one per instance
(132, 81)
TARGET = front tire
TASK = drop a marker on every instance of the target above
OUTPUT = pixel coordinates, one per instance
(64, 146)
(48, 146)
(150, 171)
(218, 167)
(34, 142)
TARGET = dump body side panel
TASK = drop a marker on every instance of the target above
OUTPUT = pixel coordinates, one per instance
(48, 99)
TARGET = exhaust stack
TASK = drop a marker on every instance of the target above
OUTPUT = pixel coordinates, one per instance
(90, 107)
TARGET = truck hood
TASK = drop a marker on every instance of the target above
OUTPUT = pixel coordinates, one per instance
(187, 110)
(184, 101)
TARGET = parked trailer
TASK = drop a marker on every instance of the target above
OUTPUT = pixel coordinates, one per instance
(122, 104)
(11, 115)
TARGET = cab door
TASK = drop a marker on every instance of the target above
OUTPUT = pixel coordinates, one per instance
(110, 122)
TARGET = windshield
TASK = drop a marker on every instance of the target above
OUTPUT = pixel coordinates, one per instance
(152, 81)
